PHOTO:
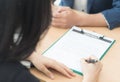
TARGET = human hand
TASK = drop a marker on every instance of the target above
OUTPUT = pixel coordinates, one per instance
(43, 64)
(91, 71)
(66, 17)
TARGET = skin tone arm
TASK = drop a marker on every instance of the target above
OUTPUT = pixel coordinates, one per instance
(43, 64)
(91, 71)
(66, 17)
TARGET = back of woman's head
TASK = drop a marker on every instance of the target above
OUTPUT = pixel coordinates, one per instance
(26, 19)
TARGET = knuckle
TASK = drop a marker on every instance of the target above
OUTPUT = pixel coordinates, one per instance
(42, 67)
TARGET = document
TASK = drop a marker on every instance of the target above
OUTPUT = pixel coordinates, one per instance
(78, 43)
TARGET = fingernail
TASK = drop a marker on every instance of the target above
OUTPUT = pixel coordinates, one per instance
(73, 74)
(70, 76)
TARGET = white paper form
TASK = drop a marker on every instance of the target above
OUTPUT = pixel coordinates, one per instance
(77, 44)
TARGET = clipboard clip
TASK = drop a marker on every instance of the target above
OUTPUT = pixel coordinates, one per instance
(92, 35)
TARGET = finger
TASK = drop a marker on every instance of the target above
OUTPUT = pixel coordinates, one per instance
(95, 59)
(57, 20)
(60, 69)
(68, 70)
(61, 9)
(59, 24)
(60, 14)
(46, 71)
(57, 15)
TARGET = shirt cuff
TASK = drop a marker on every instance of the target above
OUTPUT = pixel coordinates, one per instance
(27, 64)
(108, 25)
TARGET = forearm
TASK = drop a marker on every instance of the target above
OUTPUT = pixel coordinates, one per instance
(92, 20)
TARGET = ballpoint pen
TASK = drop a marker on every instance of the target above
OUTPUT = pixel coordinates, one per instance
(91, 60)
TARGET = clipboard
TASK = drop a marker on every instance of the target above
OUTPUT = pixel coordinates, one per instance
(78, 43)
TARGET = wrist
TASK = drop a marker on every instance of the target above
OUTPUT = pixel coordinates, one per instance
(85, 79)
(82, 19)
(32, 57)
(90, 78)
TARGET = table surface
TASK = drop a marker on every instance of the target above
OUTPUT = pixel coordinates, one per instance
(111, 61)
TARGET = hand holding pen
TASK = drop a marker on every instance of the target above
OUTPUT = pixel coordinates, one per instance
(91, 68)
(93, 61)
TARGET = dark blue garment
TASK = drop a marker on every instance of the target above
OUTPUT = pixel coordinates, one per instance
(68, 3)
(109, 8)
(15, 72)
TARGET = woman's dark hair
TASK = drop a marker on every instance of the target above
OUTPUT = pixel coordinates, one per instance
(26, 18)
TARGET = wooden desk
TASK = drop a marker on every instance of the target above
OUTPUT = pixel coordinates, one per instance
(111, 61)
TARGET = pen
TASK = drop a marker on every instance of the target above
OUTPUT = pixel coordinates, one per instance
(91, 61)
